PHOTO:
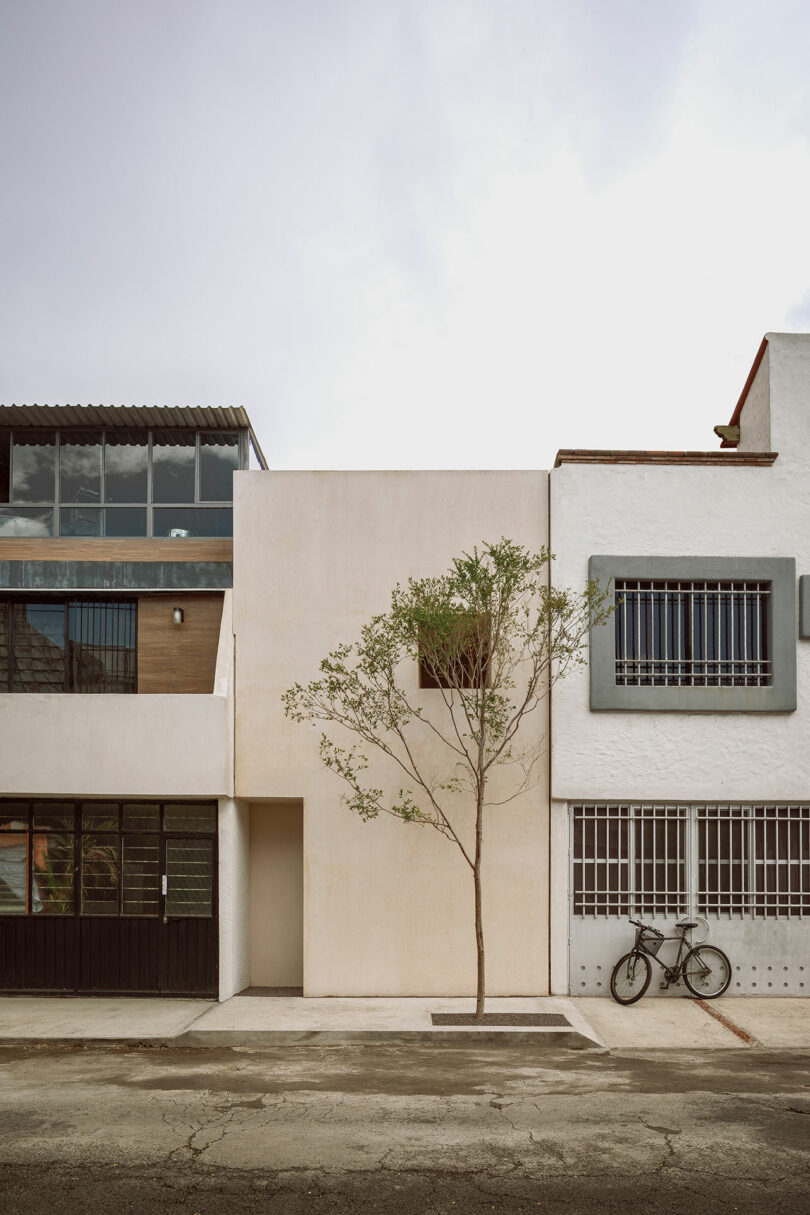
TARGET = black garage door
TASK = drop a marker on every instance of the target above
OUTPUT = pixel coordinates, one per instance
(105, 898)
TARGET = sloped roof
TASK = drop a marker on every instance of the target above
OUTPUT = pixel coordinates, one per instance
(112, 417)
(176, 417)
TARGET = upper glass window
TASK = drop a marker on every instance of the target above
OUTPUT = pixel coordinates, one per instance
(80, 467)
(173, 466)
(33, 466)
(126, 458)
(219, 460)
(5, 465)
(104, 483)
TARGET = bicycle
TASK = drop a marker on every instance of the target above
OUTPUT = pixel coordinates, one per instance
(705, 969)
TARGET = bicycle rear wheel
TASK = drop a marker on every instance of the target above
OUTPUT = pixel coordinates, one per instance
(630, 978)
(706, 971)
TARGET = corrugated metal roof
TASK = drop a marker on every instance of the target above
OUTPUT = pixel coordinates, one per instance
(176, 417)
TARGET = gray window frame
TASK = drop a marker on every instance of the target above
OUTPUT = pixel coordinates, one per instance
(779, 697)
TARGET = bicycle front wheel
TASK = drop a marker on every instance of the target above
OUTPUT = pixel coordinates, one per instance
(630, 978)
(706, 971)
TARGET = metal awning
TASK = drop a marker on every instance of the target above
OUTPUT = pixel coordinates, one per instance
(118, 417)
(177, 417)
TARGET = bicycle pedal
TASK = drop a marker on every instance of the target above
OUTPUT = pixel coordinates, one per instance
(664, 986)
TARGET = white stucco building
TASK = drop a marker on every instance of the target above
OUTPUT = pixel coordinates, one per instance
(163, 826)
(680, 773)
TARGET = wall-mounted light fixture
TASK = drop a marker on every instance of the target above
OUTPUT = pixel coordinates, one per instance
(178, 616)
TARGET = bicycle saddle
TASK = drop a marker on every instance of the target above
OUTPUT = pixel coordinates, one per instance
(686, 924)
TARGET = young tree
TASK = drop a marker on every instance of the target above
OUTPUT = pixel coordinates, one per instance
(491, 636)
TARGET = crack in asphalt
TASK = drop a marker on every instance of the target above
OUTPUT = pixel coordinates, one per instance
(498, 1143)
(667, 1133)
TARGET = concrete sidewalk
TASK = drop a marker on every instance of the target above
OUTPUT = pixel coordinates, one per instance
(729, 1023)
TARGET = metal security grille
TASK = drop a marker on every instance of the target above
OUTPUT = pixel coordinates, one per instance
(754, 860)
(101, 646)
(692, 634)
(629, 859)
(58, 644)
(658, 858)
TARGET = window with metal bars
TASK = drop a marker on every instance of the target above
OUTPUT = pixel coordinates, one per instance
(629, 859)
(54, 644)
(695, 635)
(754, 860)
(107, 858)
(692, 634)
(727, 860)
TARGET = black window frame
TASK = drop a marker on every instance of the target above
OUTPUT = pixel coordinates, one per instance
(9, 602)
(78, 831)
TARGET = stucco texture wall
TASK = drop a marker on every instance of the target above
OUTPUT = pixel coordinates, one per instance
(115, 746)
(679, 511)
(755, 419)
(388, 907)
(789, 395)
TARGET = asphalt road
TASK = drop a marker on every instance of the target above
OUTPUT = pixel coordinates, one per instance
(430, 1129)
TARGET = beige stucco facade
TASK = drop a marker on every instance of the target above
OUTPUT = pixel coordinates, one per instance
(387, 906)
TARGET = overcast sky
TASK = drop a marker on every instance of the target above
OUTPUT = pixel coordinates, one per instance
(404, 233)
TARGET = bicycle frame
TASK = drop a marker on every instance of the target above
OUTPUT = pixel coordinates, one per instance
(683, 949)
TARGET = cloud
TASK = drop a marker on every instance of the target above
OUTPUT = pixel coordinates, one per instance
(13, 524)
(410, 234)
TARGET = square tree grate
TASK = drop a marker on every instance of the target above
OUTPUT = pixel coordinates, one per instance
(545, 1020)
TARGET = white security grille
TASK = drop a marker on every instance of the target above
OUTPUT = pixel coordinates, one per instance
(692, 634)
(661, 858)
(629, 859)
(754, 860)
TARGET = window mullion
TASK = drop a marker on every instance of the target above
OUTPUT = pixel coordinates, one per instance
(78, 876)
(631, 860)
(751, 839)
(692, 859)
(149, 479)
(57, 492)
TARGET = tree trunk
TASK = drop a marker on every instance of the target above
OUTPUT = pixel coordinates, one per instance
(480, 991)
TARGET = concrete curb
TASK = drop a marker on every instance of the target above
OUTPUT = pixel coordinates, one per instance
(90, 1043)
(571, 1039)
(200, 1039)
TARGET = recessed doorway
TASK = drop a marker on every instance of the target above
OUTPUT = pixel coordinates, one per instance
(277, 895)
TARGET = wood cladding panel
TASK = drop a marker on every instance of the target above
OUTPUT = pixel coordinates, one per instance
(66, 549)
(178, 657)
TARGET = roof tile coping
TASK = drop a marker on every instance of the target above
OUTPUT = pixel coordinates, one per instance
(734, 459)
